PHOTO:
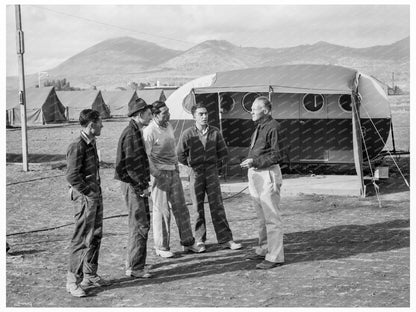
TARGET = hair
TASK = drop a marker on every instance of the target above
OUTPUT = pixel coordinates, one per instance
(88, 115)
(196, 106)
(265, 102)
(156, 106)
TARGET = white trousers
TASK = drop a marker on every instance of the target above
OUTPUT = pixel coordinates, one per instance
(264, 186)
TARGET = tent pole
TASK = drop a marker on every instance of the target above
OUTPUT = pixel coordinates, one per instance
(22, 90)
(219, 112)
(356, 132)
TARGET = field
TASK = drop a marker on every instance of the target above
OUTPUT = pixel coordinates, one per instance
(340, 251)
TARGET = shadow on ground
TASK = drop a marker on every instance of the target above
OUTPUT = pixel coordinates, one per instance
(331, 243)
(34, 158)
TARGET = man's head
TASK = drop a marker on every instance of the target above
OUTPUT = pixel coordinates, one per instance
(140, 112)
(160, 113)
(90, 121)
(200, 114)
(261, 107)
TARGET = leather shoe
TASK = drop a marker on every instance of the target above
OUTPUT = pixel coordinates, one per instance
(265, 265)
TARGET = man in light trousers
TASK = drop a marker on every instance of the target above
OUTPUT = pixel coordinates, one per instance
(265, 180)
(167, 192)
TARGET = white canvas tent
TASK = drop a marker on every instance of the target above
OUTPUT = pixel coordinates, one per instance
(42, 107)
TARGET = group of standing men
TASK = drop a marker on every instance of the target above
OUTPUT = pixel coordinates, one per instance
(147, 164)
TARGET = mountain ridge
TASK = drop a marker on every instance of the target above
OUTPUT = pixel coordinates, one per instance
(116, 61)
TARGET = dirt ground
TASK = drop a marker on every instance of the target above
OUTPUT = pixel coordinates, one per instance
(340, 251)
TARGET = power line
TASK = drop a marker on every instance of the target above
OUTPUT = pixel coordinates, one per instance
(111, 25)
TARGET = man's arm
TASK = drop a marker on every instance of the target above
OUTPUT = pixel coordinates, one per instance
(148, 143)
(222, 150)
(182, 149)
(74, 158)
(134, 151)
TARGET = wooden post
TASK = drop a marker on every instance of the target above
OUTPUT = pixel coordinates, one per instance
(22, 93)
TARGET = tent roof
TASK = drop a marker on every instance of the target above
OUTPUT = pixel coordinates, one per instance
(300, 78)
(35, 97)
(80, 99)
(117, 98)
(149, 95)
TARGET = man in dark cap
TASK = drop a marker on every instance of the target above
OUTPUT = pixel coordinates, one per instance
(132, 169)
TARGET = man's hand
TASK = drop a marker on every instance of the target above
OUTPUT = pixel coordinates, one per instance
(145, 193)
(248, 163)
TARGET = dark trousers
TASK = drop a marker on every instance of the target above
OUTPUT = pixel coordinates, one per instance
(86, 240)
(139, 226)
(205, 180)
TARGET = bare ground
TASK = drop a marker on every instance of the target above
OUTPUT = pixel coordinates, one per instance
(340, 251)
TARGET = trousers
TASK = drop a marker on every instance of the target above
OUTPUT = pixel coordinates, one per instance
(138, 225)
(264, 187)
(205, 180)
(86, 239)
(167, 195)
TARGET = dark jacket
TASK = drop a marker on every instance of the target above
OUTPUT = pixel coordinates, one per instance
(132, 164)
(191, 151)
(265, 148)
(83, 167)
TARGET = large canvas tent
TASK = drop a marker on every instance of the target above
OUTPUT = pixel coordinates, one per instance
(76, 101)
(328, 114)
(118, 101)
(42, 107)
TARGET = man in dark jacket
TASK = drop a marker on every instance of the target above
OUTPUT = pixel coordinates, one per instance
(202, 148)
(132, 169)
(84, 179)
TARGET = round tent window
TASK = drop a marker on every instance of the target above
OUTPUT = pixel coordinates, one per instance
(227, 103)
(313, 102)
(345, 102)
(248, 100)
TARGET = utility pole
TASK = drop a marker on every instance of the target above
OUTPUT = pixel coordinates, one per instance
(22, 93)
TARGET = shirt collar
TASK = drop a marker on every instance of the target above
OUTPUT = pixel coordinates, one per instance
(86, 138)
(264, 120)
(203, 132)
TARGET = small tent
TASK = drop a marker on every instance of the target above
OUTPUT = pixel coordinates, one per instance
(166, 93)
(76, 101)
(118, 101)
(150, 95)
(42, 107)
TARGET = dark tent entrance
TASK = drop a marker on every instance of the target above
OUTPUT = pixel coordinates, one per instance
(309, 131)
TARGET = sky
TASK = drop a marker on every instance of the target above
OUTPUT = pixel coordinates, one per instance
(54, 33)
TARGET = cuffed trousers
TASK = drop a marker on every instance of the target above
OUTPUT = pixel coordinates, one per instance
(264, 186)
(167, 195)
(205, 180)
(86, 240)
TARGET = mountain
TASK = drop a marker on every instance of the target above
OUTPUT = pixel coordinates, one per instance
(114, 62)
(111, 56)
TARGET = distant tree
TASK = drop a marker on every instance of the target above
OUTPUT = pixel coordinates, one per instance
(133, 85)
(142, 85)
(60, 85)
